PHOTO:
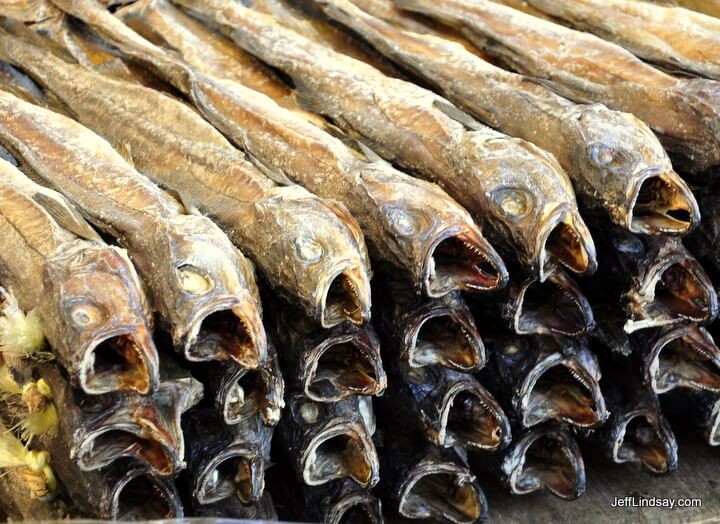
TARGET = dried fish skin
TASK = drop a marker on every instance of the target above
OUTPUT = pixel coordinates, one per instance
(612, 158)
(582, 67)
(709, 7)
(89, 298)
(197, 279)
(377, 108)
(672, 37)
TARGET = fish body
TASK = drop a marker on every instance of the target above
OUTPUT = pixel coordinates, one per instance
(522, 192)
(408, 223)
(675, 38)
(546, 379)
(583, 67)
(709, 7)
(330, 440)
(327, 267)
(89, 298)
(610, 156)
(328, 365)
(198, 281)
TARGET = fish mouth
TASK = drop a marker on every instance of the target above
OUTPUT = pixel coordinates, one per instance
(356, 508)
(661, 203)
(341, 367)
(462, 261)
(443, 338)
(554, 306)
(119, 361)
(642, 439)
(676, 289)
(345, 297)
(684, 357)
(236, 471)
(341, 451)
(546, 459)
(139, 496)
(470, 417)
(562, 389)
(227, 331)
(113, 442)
(566, 240)
(442, 492)
(250, 395)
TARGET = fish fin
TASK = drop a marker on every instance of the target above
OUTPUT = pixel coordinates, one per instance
(125, 150)
(66, 215)
(354, 143)
(370, 153)
(190, 208)
(274, 173)
(8, 156)
(457, 114)
(307, 100)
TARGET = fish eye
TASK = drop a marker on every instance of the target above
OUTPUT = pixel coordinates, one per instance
(306, 411)
(193, 281)
(307, 249)
(404, 223)
(607, 157)
(86, 314)
(516, 203)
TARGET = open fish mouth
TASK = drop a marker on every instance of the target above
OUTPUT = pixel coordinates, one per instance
(471, 417)
(684, 357)
(119, 362)
(566, 241)
(554, 306)
(642, 439)
(546, 459)
(462, 261)
(226, 333)
(443, 338)
(341, 451)
(237, 471)
(141, 496)
(113, 442)
(442, 492)
(563, 390)
(355, 508)
(662, 205)
(248, 396)
(345, 297)
(343, 366)
(677, 289)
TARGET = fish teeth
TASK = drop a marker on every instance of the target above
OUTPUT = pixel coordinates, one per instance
(580, 379)
(700, 351)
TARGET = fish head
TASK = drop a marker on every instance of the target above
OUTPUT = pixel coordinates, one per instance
(562, 386)
(328, 272)
(212, 300)
(535, 206)
(251, 392)
(555, 306)
(545, 458)
(351, 504)
(682, 356)
(442, 332)
(443, 491)
(428, 231)
(136, 494)
(632, 174)
(671, 286)
(333, 442)
(643, 436)
(103, 323)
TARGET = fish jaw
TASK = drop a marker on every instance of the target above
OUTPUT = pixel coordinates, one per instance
(674, 288)
(140, 495)
(343, 365)
(340, 450)
(344, 295)
(238, 470)
(643, 436)
(444, 336)
(569, 315)
(660, 203)
(442, 491)
(565, 240)
(562, 388)
(354, 505)
(684, 356)
(545, 458)
(254, 392)
(470, 417)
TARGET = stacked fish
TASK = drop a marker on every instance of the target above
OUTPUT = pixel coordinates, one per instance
(168, 167)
